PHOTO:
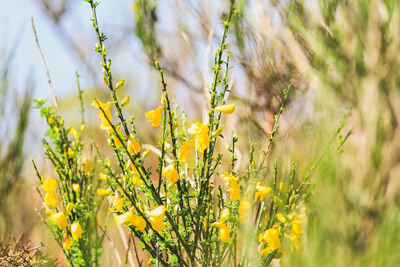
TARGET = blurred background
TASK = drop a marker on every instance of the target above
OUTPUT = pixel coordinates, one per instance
(341, 57)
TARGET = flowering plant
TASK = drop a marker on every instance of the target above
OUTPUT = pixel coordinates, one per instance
(196, 207)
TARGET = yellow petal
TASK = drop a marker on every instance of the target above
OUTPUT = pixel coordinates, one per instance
(227, 177)
(98, 104)
(117, 203)
(154, 116)
(139, 222)
(70, 153)
(102, 176)
(159, 211)
(202, 142)
(74, 133)
(234, 190)
(272, 238)
(197, 128)
(49, 185)
(50, 199)
(66, 242)
(59, 218)
(133, 146)
(132, 167)
(297, 225)
(102, 192)
(185, 150)
(262, 191)
(124, 218)
(280, 217)
(136, 180)
(69, 207)
(226, 109)
(224, 215)
(76, 231)
(171, 173)
(76, 188)
(120, 84)
(224, 234)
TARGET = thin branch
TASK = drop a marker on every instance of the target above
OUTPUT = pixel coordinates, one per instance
(45, 68)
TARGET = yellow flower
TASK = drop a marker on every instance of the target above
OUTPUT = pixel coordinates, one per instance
(202, 142)
(234, 188)
(116, 138)
(132, 167)
(76, 188)
(297, 225)
(227, 177)
(224, 215)
(70, 153)
(136, 180)
(223, 228)
(123, 218)
(133, 146)
(271, 237)
(201, 135)
(49, 185)
(224, 233)
(185, 150)
(117, 203)
(74, 133)
(102, 192)
(69, 207)
(66, 242)
(120, 84)
(106, 116)
(154, 116)
(282, 187)
(226, 109)
(88, 165)
(126, 101)
(197, 128)
(76, 231)
(261, 191)
(280, 217)
(102, 176)
(155, 217)
(50, 199)
(59, 218)
(244, 208)
(205, 224)
(129, 218)
(138, 222)
(171, 173)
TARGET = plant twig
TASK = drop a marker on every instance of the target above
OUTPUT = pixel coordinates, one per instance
(55, 102)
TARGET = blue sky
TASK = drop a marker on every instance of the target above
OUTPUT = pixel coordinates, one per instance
(15, 25)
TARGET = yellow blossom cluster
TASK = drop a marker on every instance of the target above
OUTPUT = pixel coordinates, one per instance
(60, 217)
(50, 198)
(269, 241)
(155, 217)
